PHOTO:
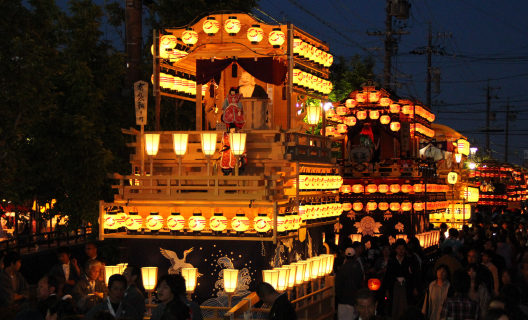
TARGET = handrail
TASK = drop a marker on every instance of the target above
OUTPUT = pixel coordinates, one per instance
(48, 238)
(242, 307)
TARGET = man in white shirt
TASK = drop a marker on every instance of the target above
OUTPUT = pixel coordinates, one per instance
(67, 271)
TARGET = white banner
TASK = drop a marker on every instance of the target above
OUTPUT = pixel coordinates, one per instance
(140, 101)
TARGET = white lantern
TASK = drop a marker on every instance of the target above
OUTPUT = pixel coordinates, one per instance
(232, 26)
(255, 34)
(211, 26)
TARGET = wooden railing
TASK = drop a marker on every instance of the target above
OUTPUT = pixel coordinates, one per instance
(34, 242)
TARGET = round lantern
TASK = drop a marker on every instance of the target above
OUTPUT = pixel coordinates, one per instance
(189, 37)
(329, 60)
(452, 177)
(394, 188)
(406, 206)
(371, 188)
(395, 126)
(255, 34)
(371, 205)
(121, 218)
(383, 188)
(351, 103)
(383, 206)
(240, 222)
(342, 128)
(211, 26)
(297, 76)
(110, 221)
(385, 119)
(360, 97)
(154, 221)
(374, 96)
(218, 222)
(330, 113)
(406, 188)
(262, 223)
(288, 221)
(298, 46)
(232, 25)
(394, 108)
(374, 284)
(407, 109)
(197, 221)
(385, 102)
(357, 206)
(347, 206)
(175, 221)
(361, 115)
(341, 111)
(281, 219)
(358, 188)
(276, 38)
(374, 114)
(394, 206)
(418, 188)
(418, 206)
(350, 121)
(345, 188)
(167, 42)
(133, 221)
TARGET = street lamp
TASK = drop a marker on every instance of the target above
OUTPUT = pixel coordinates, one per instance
(237, 141)
(152, 146)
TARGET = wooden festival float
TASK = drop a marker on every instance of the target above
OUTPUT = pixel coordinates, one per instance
(233, 194)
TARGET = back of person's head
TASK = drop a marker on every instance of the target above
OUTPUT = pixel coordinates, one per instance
(447, 250)
(117, 278)
(412, 313)
(29, 314)
(136, 271)
(443, 226)
(65, 250)
(176, 310)
(363, 294)
(461, 281)
(264, 289)
(502, 237)
(453, 233)
(62, 308)
(52, 282)
(511, 294)
(175, 283)
(102, 315)
(11, 258)
(496, 314)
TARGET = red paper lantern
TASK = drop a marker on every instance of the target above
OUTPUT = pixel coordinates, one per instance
(345, 188)
(347, 206)
(374, 284)
(394, 188)
(418, 206)
(357, 188)
(357, 206)
(371, 205)
(361, 115)
(383, 188)
(395, 126)
(383, 206)
(394, 108)
(406, 188)
(341, 111)
(371, 188)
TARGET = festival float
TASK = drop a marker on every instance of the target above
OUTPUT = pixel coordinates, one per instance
(247, 196)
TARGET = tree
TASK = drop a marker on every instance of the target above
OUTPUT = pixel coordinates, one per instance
(347, 75)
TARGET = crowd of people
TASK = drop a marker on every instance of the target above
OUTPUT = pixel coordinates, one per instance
(69, 290)
(478, 272)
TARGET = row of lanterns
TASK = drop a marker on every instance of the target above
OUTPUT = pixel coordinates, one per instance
(429, 239)
(178, 84)
(319, 210)
(310, 81)
(393, 188)
(339, 115)
(420, 128)
(319, 182)
(448, 214)
(394, 206)
(307, 51)
(298, 273)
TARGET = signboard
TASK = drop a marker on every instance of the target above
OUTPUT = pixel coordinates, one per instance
(463, 146)
(471, 194)
(405, 136)
(525, 154)
(140, 101)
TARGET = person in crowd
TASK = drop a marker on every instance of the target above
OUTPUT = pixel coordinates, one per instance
(89, 290)
(349, 279)
(400, 280)
(61, 309)
(487, 260)
(506, 277)
(366, 304)
(505, 250)
(281, 307)
(452, 241)
(477, 292)
(14, 288)
(114, 303)
(380, 266)
(91, 251)
(47, 293)
(443, 230)
(496, 314)
(67, 271)
(483, 272)
(133, 294)
(522, 284)
(512, 296)
(497, 259)
(438, 291)
(359, 248)
(175, 310)
(448, 260)
(181, 289)
(167, 290)
(103, 315)
(460, 306)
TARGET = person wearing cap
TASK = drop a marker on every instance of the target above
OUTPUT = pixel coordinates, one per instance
(349, 280)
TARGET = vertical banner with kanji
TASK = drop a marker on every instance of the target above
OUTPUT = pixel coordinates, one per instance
(140, 101)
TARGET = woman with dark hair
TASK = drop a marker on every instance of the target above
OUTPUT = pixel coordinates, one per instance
(169, 289)
(60, 309)
(477, 292)
(506, 277)
(438, 291)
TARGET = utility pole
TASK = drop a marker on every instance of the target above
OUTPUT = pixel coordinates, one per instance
(489, 91)
(507, 130)
(429, 50)
(388, 48)
(134, 41)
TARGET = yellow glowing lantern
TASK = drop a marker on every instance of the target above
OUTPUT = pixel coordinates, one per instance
(298, 45)
(262, 223)
(347, 206)
(230, 280)
(110, 221)
(422, 239)
(374, 96)
(276, 38)
(189, 37)
(357, 206)
(284, 276)
(452, 177)
(292, 275)
(371, 188)
(297, 76)
(281, 220)
(383, 188)
(356, 237)
(308, 270)
(406, 188)
(407, 109)
(255, 34)
(180, 143)
(345, 188)
(341, 111)
(197, 221)
(175, 221)
(208, 143)
(350, 121)
(374, 284)
(383, 206)
(360, 97)
(350, 103)
(191, 278)
(299, 274)
(374, 114)
(150, 277)
(152, 143)
(342, 128)
(394, 188)
(361, 115)
(154, 221)
(329, 60)
(271, 277)
(394, 206)
(316, 261)
(394, 108)
(211, 26)
(218, 222)
(418, 187)
(418, 206)
(458, 157)
(133, 221)
(371, 205)
(232, 25)
(238, 143)
(406, 206)
(330, 113)
(395, 126)
(385, 119)
(401, 236)
(313, 113)
(110, 271)
(358, 188)
(240, 222)
(385, 102)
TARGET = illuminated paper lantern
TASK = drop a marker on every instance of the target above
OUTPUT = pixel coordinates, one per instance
(262, 223)
(385, 119)
(356, 237)
(189, 37)
(406, 188)
(197, 221)
(230, 280)
(149, 276)
(232, 25)
(371, 206)
(385, 102)
(191, 278)
(298, 45)
(347, 206)
(281, 220)
(313, 113)
(341, 111)
(407, 109)
(394, 206)
(383, 206)
(394, 108)
(330, 113)
(371, 188)
(284, 276)
(110, 221)
(218, 222)
(401, 236)
(361, 115)
(418, 206)
(211, 26)
(240, 222)
(315, 267)
(297, 76)
(350, 103)
(133, 221)
(276, 38)
(329, 60)
(255, 34)
(110, 271)
(374, 114)
(374, 284)
(292, 274)
(418, 187)
(152, 143)
(175, 221)
(395, 126)
(350, 121)
(452, 177)
(394, 188)
(406, 206)
(154, 221)
(374, 96)
(345, 188)
(383, 188)
(271, 277)
(358, 188)
(357, 206)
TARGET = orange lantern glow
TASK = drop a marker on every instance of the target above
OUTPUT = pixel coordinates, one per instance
(407, 109)
(211, 26)
(360, 97)
(383, 188)
(385, 119)
(394, 108)
(276, 38)
(347, 206)
(232, 26)
(395, 126)
(358, 188)
(190, 37)
(406, 188)
(385, 102)
(154, 221)
(350, 121)
(357, 206)
(361, 115)
(345, 188)
(374, 114)
(374, 96)
(371, 205)
(197, 221)
(394, 206)
(262, 223)
(383, 206)
(351, 103)
(218, 222)
(418, 206)
(406, 206)
(342, 128)
(371, 188)
(374, 284)
(341, 111)
(418, 187)
(394, 188)
(255, 34)
(175, 221)
(330, 113)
